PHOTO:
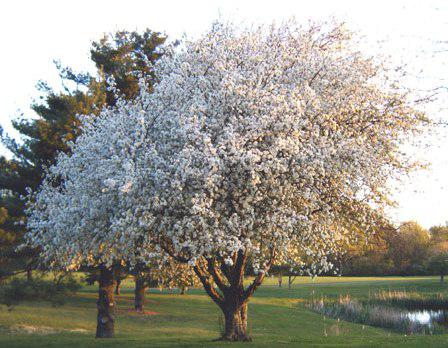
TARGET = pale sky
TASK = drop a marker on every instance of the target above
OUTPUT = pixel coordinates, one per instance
(415, 33)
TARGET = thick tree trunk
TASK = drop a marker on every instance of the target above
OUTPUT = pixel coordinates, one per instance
(225, 285)
(117, 287)
(139, 294)
(183, 290)
(106, 304)
(29, 275)
(235, 321)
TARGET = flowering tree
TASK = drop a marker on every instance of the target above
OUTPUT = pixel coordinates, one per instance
(163, 272)
(266, 144)
(72, 216)
(256, 146)
(174, 275)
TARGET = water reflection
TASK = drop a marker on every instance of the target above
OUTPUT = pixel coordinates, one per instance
(429, 317)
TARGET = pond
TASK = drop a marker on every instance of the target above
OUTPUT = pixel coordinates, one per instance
(428, 318)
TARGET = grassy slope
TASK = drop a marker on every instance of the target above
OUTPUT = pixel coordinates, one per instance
(276, 317)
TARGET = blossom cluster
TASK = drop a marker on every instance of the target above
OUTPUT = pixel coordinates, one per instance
(278, 141)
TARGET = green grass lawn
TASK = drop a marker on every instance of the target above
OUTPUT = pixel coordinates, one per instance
(277, 318)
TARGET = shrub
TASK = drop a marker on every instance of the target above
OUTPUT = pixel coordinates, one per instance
(55, 290)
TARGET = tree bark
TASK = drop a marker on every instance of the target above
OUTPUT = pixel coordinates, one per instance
(243, 314)
(139, 293)
(106, 304)
(442, 278)
(225, 285)
(29, 275)
(117, 286)
(235, 321)
(183, 290)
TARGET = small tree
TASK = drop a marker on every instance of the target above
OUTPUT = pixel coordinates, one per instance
(177, 275)
(438, 264)
(163, 272)
(71, 216)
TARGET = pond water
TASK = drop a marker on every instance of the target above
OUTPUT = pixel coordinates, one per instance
(429, 317)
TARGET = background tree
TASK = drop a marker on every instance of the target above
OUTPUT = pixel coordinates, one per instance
(439, 236)
(288, 269)
(125, 56)
(438, 251)
(162, 272)
(438, 263)
(370, 257)
(177, 275)
(409, 248)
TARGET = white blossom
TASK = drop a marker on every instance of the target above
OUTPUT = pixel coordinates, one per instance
(276, 141)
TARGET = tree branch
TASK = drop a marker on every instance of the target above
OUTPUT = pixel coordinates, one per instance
(217, 278)
(238, 272)
(248, 292)
(209, 289)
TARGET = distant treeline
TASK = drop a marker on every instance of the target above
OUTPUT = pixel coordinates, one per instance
(408, 250)
(404, 251)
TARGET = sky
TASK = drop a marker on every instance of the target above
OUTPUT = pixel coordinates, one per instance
(413, 33)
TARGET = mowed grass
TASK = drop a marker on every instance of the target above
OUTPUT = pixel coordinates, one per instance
(277, 318)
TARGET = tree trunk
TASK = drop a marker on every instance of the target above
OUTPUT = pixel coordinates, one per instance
(289, 282)
(183, 290)
(235, 321)
(442, 278)
(225, 285)
(243, 314)
(117, 287)
(106, 304)
(139, 294)
(29, 275)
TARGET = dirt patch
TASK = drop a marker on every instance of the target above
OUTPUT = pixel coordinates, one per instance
(78, 330)
(133, 311)
(30, 329)
(42, 330)
(122, 300)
